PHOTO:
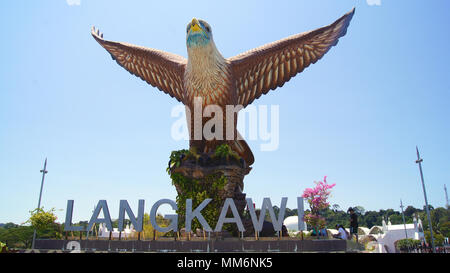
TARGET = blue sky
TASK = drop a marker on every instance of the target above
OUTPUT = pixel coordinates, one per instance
(355, 116)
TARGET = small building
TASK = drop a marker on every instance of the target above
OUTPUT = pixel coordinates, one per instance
(128, 232)
(291, 224)
(384, 238)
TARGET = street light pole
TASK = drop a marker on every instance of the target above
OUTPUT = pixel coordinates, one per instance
(403, 216)
(43, 171)
(446, 196)
(419, 161)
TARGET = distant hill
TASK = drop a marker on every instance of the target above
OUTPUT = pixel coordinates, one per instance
(1, 224)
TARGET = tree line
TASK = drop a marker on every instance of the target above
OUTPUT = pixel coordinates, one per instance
(334, 215)
(20, 236)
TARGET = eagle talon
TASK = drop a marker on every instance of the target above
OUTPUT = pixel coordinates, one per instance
(96, 32)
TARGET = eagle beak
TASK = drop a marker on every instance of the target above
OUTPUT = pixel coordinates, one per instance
(195, 25)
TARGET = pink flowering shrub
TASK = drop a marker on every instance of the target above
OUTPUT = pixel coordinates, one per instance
(317, 200)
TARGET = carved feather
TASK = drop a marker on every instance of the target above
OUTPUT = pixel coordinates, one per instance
(270, 66)
(158, 68)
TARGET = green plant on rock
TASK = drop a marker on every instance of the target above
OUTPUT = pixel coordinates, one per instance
(225, 151)
(218, 157)
(210, 186)
(176, 157)
(198, 191)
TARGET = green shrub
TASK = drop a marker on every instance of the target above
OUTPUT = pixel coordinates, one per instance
(3, 248)
(407, 243)
(176, 157)
(438, 238)
(42, 220)
(198, 192)
(211, 186)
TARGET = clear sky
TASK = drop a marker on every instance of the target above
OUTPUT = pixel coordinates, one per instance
(355, 116)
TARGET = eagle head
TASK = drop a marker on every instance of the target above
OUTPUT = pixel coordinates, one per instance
(198, 34)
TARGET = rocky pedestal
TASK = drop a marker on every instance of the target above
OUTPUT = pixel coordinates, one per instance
(233, 174)
(205, 174)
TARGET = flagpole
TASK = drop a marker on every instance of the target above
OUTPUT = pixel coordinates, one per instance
(43, 171)
(446, 196)
(419, 161)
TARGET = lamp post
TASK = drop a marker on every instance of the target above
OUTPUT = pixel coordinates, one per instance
(446, 196)
(419, 161)
(403, 216)
(43, 171)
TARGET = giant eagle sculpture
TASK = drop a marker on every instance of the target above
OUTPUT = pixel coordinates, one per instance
(216, 80)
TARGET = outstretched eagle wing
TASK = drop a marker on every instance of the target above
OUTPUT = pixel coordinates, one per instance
(158, 68)
(267, 67)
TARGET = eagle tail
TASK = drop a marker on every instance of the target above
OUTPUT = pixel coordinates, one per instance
(241, 147)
